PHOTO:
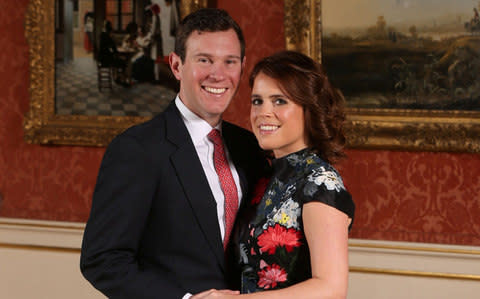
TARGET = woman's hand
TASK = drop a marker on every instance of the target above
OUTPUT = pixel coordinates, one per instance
(213, 293)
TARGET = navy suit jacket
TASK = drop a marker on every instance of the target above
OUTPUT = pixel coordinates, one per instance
(153, 230)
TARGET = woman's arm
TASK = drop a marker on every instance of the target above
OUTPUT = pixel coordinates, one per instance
(326, 231)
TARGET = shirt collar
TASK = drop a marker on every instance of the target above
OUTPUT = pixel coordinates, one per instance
(197, 127)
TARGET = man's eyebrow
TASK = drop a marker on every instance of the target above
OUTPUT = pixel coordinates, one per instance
(210, 55)
(203, 54)
(234, 56)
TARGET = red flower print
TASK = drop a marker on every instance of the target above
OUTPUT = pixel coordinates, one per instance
(260, 188)
(263, 264)
(270, 276)
(278, 236)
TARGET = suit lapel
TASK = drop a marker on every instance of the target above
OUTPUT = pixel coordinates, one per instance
(195, 185)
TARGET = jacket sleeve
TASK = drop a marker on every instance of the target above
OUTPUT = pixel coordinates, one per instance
(121, 203)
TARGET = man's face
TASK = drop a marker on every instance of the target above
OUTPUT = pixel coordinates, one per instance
(210, 74)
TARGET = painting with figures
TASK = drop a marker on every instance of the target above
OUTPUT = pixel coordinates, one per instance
(404, 54)
(111, 56)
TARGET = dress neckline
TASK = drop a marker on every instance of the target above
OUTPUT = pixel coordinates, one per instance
(282, 163)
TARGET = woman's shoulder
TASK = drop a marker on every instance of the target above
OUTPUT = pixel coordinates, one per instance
(321, 173)
(323, 183)
(309, 167)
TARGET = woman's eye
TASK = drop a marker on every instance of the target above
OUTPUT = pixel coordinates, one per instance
(280, 101)
(256, 102)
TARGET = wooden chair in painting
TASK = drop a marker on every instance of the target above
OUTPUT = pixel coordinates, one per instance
(104, 74)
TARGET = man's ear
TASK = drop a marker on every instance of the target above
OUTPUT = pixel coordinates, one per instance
(244, 63)
(175, 65)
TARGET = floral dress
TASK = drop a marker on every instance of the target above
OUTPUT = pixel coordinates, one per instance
(273, 251)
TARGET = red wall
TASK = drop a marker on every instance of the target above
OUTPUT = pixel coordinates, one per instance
(400, 196)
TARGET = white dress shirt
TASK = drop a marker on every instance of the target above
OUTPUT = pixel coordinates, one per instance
(198, 129)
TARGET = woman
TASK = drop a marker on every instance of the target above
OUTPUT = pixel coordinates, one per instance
(142, 64)
(88, 24)
(295, 241)
(130, 39)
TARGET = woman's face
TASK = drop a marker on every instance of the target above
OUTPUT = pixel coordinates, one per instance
(277, 122)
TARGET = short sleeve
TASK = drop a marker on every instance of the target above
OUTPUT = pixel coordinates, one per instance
(324, 184)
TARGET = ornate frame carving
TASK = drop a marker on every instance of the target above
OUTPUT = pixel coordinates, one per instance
(398, 129)
(41, 124)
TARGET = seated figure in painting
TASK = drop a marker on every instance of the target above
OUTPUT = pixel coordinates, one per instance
(108, 54)
(129, 41)
(142, 64)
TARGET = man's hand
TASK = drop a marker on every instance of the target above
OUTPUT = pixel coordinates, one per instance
(212, 293)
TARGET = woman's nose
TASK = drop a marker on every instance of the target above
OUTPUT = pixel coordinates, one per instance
(265, 109)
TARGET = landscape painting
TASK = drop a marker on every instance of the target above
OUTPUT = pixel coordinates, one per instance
(404, 54)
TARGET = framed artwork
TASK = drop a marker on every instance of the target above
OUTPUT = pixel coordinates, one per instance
(407, 86)
(411, 80)
(111, 56)
(59, 107)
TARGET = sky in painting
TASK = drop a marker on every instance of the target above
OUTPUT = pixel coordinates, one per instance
(363, 13)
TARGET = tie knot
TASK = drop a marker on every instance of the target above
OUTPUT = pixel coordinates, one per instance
(215, 136)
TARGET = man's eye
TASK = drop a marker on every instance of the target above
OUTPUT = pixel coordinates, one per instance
(230, 62)
(203, 60)
(257, 102)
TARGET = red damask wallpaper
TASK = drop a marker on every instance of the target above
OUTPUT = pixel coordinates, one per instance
(400, 196)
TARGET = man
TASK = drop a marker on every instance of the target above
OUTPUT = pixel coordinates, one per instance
(158, 226)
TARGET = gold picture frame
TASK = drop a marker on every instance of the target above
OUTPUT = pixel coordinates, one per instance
(392, 129)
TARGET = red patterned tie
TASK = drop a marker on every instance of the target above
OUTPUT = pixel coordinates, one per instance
(226, 181)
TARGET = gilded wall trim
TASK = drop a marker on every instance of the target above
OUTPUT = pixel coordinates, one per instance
(39, 248)
(430, 249)
(368, 270)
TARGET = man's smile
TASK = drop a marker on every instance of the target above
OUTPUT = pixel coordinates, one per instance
(214, 90)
